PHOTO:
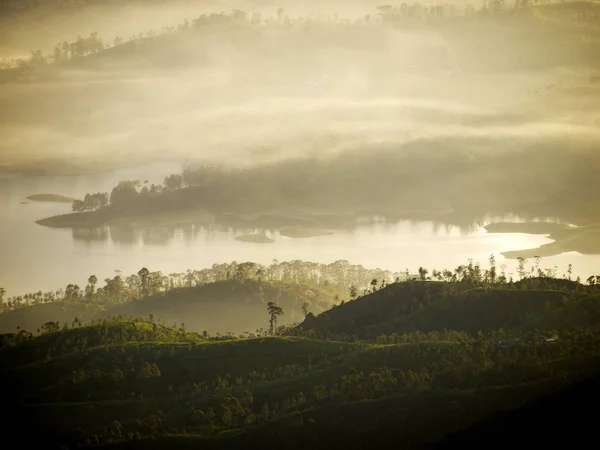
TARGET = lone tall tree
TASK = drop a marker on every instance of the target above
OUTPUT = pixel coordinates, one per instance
(305, 306)
(274, 311)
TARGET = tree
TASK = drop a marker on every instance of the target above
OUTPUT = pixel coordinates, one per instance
(114, 431)
(125, 193)
(305, 306)
(537, 260)
(173, 181)
(274, 311)
(423, 273)
(265, 413)
(148, 370)
(320, 392)
(353, 292)
(492, 268)
(521, 267)
(247, 398)
(91, 287)
(77, 206)
(144, 275)
(50, 327)
(374, 285)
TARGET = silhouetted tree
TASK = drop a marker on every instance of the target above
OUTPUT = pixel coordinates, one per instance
(305, 306)
(274, 311)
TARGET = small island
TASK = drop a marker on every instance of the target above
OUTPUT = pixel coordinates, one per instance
(255, 238)
(55, 198)
(299, 233)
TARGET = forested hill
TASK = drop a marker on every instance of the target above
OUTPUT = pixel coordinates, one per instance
(411, 364)
(541, 303)
(223, 306)
(142, 385)
(228, 297)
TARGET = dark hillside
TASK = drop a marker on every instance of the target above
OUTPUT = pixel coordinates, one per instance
(564, 419)
(435, 306)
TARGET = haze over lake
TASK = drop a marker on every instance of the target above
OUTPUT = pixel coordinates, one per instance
(46, 258)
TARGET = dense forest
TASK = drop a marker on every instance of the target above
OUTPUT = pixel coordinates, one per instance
(412, 362)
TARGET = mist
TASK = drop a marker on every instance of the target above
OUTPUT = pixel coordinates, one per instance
(251, 95)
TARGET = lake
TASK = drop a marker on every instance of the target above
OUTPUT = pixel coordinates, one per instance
(36, 257)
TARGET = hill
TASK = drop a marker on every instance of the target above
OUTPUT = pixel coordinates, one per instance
(230, 305)
(31, 318)
(135, 384)
(224, 306)
(436, 306)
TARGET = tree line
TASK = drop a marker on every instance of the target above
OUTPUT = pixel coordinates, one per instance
(386, 15)
(340, 277)
(335, 277)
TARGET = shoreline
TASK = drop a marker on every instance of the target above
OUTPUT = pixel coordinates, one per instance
(581, 239)
(301, 223)
(292, 222)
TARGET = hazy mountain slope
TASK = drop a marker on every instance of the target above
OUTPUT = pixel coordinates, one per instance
(223, 306)
(231, 305)
(31, 318)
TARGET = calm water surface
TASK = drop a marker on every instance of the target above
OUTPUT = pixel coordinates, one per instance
(36, 257)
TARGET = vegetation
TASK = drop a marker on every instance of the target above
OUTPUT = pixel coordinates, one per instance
(91, 202)
(203, 299)
(411, 353)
